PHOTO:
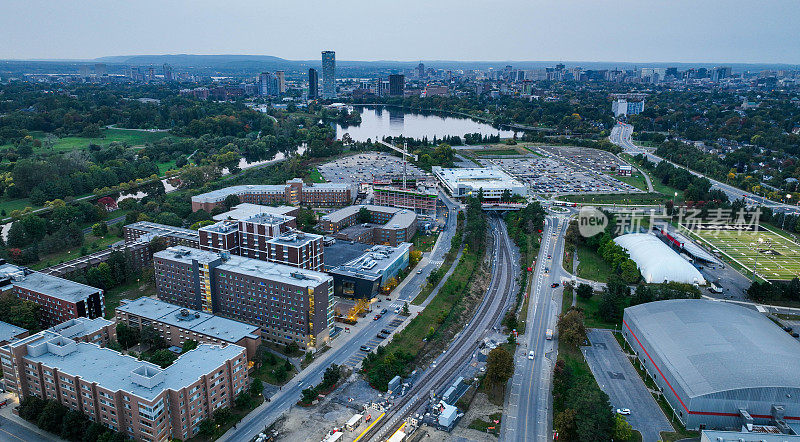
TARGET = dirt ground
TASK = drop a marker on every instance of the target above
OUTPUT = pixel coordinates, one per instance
(481, 408)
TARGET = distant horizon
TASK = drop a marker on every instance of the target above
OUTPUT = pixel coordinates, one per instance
(105, 59)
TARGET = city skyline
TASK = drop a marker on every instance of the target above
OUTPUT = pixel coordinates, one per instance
(641, 32)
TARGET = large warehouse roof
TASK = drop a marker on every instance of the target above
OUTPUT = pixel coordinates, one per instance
(713, 346)
(657, 262)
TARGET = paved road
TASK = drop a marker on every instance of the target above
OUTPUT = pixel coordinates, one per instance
(442, 371)
(621, 136)
(527, 414)
(616, 376)
(347, 353)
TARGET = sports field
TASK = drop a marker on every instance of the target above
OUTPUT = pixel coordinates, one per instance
(777, 256)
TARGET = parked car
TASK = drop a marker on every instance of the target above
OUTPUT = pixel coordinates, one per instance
(365, 348)
(381, 336)
(554, 285)
(386, 332)
(378, 316)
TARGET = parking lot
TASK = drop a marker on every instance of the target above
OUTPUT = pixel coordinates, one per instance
(616, 376)
(363, 167)
(373, 343)
(547, 173)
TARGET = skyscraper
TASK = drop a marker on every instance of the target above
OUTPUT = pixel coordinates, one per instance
(167, 72)
(268, 84)
(328, 74)
(397, 84)
(421, 71)
(281, 81)
(313, 84)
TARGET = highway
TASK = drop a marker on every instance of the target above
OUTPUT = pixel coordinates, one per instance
(453, 360)
(289, 394)
(527, 413)
(621, 135)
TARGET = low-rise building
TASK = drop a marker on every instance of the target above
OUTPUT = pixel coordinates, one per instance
(178, 324)
(135, 397)
(59, 299)
(363, 276)
(10, 333)
(288, 304)
(174, 236)
(98, 330)
(464, 182)
(387, 225)
(248, 210)
(294, 192)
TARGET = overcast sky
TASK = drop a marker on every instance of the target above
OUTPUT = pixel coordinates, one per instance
(759, 31)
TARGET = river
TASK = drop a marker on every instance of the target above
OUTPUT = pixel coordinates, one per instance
(384, 121)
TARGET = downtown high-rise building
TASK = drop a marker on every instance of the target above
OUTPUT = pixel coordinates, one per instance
(281, 81)
(328, 74)
(313, 84)
(397, 85)
(268, 84)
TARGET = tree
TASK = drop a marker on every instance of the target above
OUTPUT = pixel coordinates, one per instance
(100, 229)
(499, 366)
(93, 432)
(364, 215)
(613, 301)
(406, 312)
(571, 328)
(564, 424)
(231, 201)
(309, 395)
(74, 425)
(52, 417)
(188, 345)
(30, 407)
(584, 291)
(256, 387)
(163, 358)
(222, 415)
(127, 336)
(629, 272)
(291, 348)
(151, 338)
(622, 429)
(207, 427)
(331, 376)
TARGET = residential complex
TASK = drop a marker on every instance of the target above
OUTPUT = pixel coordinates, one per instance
(494, 182)
(97, 331)
(134, 397)
(10, 333)
(267, 237)
(386, 225)
(174, 236)
(294, 192)
(60, 299)
(421, 201)
(288, 303)
(178, 324)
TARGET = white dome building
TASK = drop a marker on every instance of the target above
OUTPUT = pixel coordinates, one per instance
(656, 261)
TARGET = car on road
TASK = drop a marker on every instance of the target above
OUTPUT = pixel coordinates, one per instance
(419, 271)
(531, 355)
(554, 285)
(383, 312)
(365, 348)
(623, 411)
(547, 269)
(378, 316)
(549, 256)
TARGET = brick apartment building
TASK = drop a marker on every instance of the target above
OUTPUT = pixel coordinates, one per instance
(135, 397)
(97, 331)
(288, 304)
(294, 192)
(59, 299)
(422, 202)
(267, 237)
(387, 225)
(178, 324)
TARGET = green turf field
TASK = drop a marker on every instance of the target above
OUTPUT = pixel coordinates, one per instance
(778, 257)
(66, 144)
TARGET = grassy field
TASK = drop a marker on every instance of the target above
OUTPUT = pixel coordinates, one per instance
(566, 299)
(617, 198)
(593, 320)
(164, 167)
(132, 290)
(133, 138)
(658, 186)
(591, 265)
(509, 151)
(91, 244)
(314, 176)
(636, 180)
(17, 204)
(423, 243)
(774, 256)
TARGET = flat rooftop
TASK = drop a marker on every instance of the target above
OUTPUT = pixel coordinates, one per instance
(374, 260)
(476, 177)
(294, 239)
(218, 195)
(79, 327)
(247, 210)
(713, 346)
(402, 218)
(163, 229)
(342, 252)
(215, 326)
(113, 371)
(268, 219)
(246, 266)
(186, 255)
(221, 227)
(9, 332)
(56, 287)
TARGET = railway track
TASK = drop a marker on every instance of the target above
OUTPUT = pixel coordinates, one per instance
(460, 351)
